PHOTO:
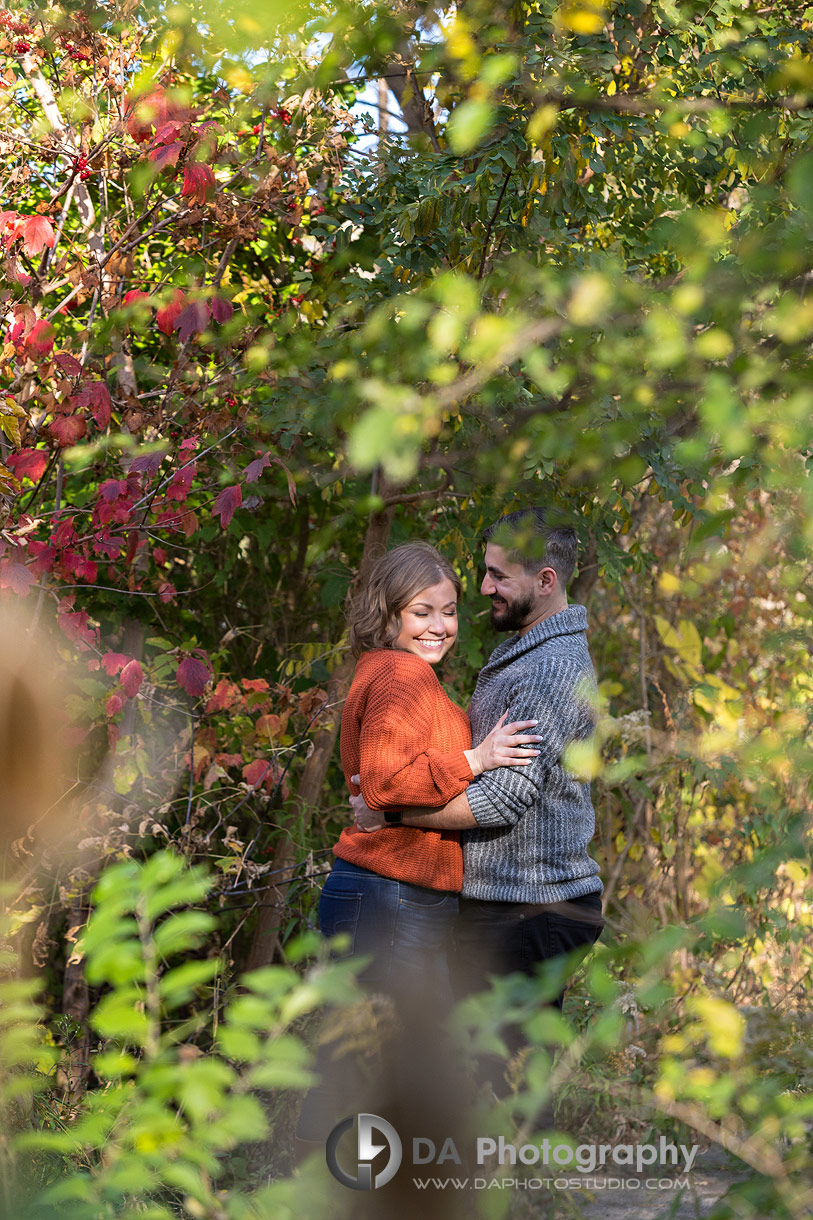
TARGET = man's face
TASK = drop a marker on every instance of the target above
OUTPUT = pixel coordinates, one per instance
(513, 591)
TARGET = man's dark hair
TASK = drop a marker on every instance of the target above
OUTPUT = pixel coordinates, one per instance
(534, 538)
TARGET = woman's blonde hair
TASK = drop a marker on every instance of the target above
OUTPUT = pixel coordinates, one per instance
(374, 613)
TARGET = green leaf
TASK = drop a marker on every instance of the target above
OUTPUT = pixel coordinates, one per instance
(469, 123)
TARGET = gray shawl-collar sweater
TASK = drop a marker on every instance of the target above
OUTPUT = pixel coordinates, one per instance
(534, 822)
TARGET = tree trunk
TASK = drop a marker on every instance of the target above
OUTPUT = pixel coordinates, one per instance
(265, 942)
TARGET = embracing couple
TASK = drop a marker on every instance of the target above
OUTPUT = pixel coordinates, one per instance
(465, 860)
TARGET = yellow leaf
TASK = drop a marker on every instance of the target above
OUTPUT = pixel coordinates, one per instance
(581, 18)
(720, 1022)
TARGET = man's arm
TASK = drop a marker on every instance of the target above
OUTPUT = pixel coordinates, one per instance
(457, 815)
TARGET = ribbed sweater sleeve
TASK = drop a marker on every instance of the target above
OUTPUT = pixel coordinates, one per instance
(550, 695)
(396, 766)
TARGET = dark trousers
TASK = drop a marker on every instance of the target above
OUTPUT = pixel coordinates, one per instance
(399, 1062)
(500, 938)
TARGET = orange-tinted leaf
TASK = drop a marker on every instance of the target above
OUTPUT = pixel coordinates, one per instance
(37, 232)
(224, 696)
(167, 316)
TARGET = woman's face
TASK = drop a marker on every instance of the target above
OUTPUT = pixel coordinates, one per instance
(429, 622)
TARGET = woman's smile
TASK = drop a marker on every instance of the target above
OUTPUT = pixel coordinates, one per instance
(429, 622)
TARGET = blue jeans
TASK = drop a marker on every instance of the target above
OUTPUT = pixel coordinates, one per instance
(405, 930)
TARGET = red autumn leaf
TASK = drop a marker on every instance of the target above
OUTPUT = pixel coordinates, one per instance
(87, 570)
(68, 430)
(166, 154)
(40, 339)
(166, 317)
(166, 591)
(193, 676)
(135, 294)
(28, 463)
(229, 499)
(113, 705)
(255, 684)
(254, 469)
(192, 320)
(198, 181)
(134, 544)
(43, 555)
(8, 227)
(65, 533)
(37, 232)
(131, 678)
(95, 394)
(69, 364)
(76, 625)
(18, 577)
(100, 402)
(255, 772)
(165, 133)
(111, 489)
(221, 309)
(150, 110)
(148, 464)
(113, 662)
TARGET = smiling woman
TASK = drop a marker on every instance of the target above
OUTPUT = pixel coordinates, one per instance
(429, 622)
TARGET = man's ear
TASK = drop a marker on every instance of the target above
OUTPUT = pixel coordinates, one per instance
(547, 581)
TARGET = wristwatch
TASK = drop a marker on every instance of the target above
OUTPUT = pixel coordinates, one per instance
(393, 817)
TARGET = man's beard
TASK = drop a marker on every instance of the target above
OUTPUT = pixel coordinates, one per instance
(512, 616)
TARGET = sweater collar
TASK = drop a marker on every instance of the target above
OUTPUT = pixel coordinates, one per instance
(570, 621)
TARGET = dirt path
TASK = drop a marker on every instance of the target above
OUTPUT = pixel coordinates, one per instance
(626, 1196)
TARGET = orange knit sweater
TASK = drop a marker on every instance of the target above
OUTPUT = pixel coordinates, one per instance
(405, 738)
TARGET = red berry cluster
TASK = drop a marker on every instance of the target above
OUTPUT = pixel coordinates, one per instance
(22, 47)
(81, 168)
(283, 115)
(14, 27)
(230, 401)
(69, 47)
